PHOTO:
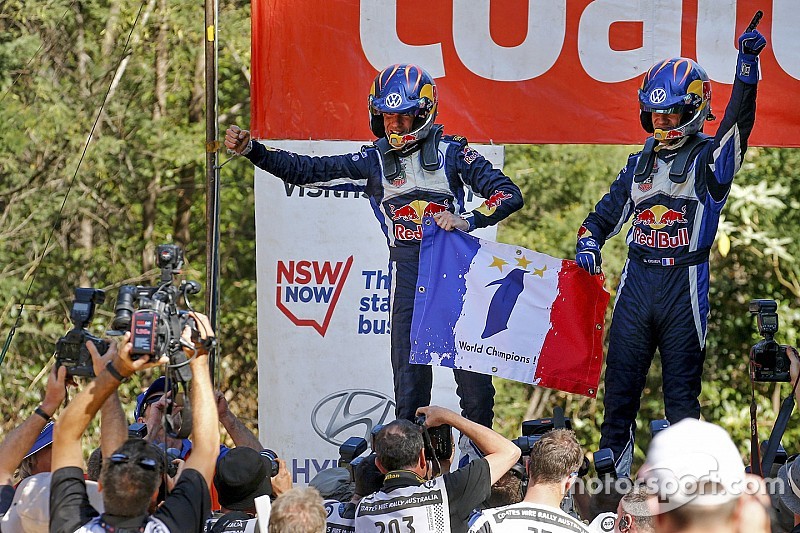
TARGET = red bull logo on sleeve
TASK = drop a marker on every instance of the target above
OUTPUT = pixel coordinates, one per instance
(414, 212)
(493, 202)
(656, 218)
(307, 291)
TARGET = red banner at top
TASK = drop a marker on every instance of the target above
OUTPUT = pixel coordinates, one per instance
(511, 71)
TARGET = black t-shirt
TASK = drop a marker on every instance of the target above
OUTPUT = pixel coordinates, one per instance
(185, 509)
(6, 498)
(466, 488)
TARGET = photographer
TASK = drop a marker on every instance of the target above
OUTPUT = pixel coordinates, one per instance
(409, 497)
(552, 470)
(368, 479)
(131, 475)
(19, 443)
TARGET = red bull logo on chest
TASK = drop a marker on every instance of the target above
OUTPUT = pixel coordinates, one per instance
(414, 212)
(656, 218)
(659, 216)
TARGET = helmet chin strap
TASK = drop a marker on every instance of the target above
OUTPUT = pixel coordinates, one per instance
(667, 136)
(399, 141)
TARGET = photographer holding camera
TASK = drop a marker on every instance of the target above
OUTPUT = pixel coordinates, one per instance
(409, 499)
(20, 443)
(552, 471)
(130, 476)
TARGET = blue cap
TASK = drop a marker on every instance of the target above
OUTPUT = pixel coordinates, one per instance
(44, 440)
(157, 387)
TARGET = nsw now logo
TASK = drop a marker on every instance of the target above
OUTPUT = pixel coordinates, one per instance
(307, 291)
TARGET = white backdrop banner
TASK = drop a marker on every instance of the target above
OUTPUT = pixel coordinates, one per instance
(324, 370)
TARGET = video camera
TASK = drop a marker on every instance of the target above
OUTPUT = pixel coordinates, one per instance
(768, 359)
(532, 431)
(156, 324)
(71, 351)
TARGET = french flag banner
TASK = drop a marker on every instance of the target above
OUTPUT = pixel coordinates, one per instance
(507, 311)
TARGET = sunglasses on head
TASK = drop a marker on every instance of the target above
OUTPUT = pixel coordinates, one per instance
(148, 463)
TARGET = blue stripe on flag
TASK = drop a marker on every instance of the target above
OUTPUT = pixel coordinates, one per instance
(442, 297)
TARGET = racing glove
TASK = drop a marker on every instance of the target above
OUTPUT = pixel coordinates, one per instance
(588, 255)
(751, 44)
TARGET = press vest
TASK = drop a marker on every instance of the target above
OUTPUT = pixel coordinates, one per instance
(420, 508)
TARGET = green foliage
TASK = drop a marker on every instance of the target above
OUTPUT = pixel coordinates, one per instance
(145, 157)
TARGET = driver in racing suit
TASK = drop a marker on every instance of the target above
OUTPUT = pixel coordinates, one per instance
(411, 171)
(674, 189)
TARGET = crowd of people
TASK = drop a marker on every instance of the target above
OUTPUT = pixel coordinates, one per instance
(143, 479)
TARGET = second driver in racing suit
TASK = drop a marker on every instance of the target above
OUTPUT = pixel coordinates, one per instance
(411, 171)
(674, 189)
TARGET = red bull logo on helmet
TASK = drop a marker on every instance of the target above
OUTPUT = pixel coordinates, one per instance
(414, 212)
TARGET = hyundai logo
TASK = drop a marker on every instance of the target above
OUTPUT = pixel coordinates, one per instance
(658, 96)
(338, 416)
(394, 100)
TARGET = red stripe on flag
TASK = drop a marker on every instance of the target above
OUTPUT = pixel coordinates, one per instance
(572, 356)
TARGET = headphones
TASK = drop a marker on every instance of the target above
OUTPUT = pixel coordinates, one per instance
(624, 523)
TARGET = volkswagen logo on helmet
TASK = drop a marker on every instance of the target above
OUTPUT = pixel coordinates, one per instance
(351, 412)
(394, 100)
(658, 96)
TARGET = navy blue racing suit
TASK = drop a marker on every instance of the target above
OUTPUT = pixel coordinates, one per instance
(662, 299)
(399, 203)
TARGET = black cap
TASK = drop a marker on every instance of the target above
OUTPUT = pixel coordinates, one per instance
(242, 476)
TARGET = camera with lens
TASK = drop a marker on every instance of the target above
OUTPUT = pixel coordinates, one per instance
(532, 430)
(272, 457)
(540, 426)
(438, 439)
(137, 430)
(350, 449)
(768, 359)
(172, 467)
(152, 316)
(350, 454)
(71, 351)
(525, 443)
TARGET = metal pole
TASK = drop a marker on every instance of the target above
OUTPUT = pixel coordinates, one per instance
(212, 176)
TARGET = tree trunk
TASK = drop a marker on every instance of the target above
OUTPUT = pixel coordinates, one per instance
(186, 190)
(149, 207)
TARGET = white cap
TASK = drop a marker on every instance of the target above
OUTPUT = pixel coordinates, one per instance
(693, 462)
(30, 510)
